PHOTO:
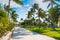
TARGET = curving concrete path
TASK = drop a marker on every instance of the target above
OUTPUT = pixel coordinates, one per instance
(22, 34)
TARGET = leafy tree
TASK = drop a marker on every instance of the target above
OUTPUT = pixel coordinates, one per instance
(4, 22)
(33, 21)
(35, 6)
(14, 16)
(7, 7)
(53, 15)
(41, 13)
(18, 2)
(29, 15)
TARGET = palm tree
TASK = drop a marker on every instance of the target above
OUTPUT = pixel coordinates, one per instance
(18, 2)
(52, 2)
(14, 16)
(29, 15)
(33, 20)
(53, 16)
(33, 9)
(57, 8)
(41, 13)
(7, 8)
(3, 21)
(35, 6)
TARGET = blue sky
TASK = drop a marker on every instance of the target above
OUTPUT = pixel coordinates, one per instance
(22, 10)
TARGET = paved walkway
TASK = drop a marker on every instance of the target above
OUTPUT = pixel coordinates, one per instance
(22, 34)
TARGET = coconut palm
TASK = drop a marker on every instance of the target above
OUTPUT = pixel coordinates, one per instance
(33, 20)
(41, 13)
(29, 15)
(7, 7)
(18, 2)
(57, 8)
(14, 16)
(49, 0)
(33, 9)
(35, 6)
(32, 12)
(53, 16)
(3, 21)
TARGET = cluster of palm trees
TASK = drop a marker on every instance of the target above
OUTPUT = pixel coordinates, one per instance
(51, 17)
(8, 17)
(36, 12)
(10, 11)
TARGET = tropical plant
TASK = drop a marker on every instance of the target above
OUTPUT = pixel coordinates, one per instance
(35, 6)
(14, 16)
(4, 22)
(29, 15)
(53, 16)
(41, 13)
(7, 7)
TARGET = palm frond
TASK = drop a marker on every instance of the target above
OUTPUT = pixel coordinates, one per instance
(48, 5)
(45, 0)
(57, 0)
(56, 3)
(18, 1)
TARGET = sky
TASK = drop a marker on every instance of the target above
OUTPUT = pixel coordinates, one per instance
(22, 10)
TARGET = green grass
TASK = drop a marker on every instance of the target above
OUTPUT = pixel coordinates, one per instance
(47, 31)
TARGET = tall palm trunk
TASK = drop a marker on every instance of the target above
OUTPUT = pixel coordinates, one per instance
(39, 22)
(9, 3)
(9, 6)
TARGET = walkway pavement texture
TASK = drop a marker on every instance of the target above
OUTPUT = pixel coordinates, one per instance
(23, 34)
